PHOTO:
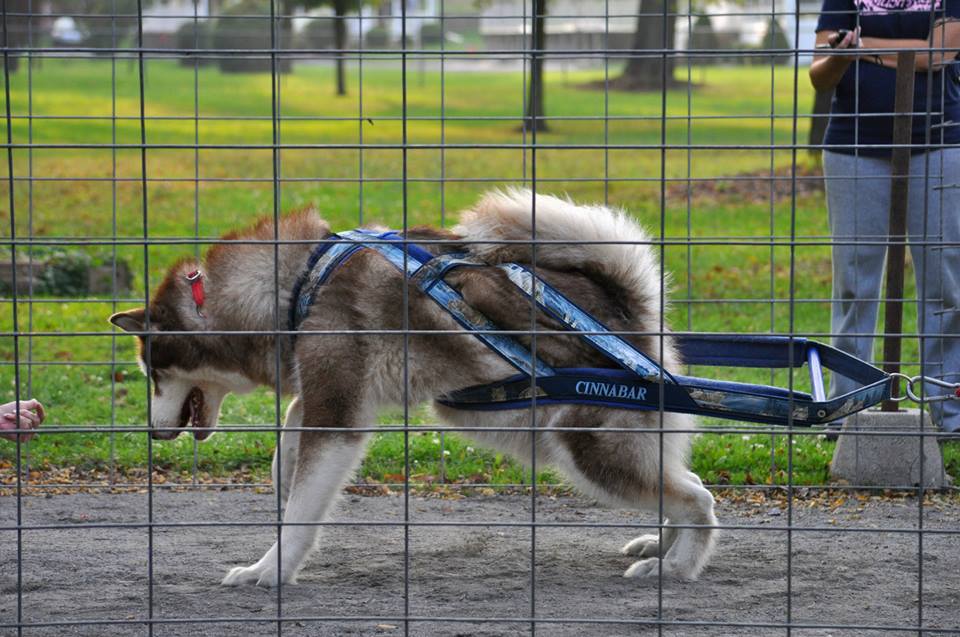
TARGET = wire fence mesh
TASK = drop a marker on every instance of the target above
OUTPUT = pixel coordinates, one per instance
(140, 132)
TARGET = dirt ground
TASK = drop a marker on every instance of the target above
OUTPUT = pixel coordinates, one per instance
(857, 564)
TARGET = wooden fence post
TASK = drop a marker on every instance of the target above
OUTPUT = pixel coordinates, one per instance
(899, 193)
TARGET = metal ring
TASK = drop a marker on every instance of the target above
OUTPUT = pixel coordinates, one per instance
(908, 393)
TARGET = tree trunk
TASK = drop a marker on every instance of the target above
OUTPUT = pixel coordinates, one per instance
(818, 122)
(284, 25)
(17, 31)
(533, 119)
(285, 34)
(340, 42)
(646, 72)
(384, 12)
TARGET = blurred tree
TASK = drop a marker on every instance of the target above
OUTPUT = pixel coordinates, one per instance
(106, 24)
(247, 25)
(101, 24)
(703, 36)
(534, 117)
(341, 8)
(535, 112)
(194, 35)
(655, 32)
(775, 38)
(16, 28)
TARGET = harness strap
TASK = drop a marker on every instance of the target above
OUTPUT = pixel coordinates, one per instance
(323, 261)
(437, 268)
(701, 396)
(597, 334)
(725, 399)
(409, 258)
(641, 383)
(780, 352)
(557, 306)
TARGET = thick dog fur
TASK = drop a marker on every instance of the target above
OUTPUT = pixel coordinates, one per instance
(339, 380)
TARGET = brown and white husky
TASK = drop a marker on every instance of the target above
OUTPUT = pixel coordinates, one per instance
(340, 378)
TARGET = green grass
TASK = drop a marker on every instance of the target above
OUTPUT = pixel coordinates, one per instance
(732, 123)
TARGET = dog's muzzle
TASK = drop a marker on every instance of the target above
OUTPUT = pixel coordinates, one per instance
(192, 414)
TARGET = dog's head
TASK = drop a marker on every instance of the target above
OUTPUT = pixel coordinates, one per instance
(189, 373)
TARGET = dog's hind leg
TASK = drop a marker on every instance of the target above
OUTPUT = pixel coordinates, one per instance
(690, 541)
(624, 469)
(649, 545)
(285, 456)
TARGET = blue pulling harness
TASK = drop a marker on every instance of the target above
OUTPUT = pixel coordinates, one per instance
(640, 383)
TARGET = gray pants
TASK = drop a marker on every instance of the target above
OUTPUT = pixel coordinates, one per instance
(858, 198)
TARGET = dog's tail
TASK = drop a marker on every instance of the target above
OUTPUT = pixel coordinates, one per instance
(603, 242)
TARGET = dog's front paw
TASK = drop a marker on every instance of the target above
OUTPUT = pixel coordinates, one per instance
(261, 576)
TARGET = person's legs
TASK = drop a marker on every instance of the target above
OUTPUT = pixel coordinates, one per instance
(934, 227)
(858, 201)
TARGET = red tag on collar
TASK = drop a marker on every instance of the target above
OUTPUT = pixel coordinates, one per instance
(196, 287)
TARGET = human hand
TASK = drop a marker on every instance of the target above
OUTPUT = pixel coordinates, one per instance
(844, 39)
(30, 416)
(828, 66)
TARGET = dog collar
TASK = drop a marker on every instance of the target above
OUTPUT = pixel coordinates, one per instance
(196, 288)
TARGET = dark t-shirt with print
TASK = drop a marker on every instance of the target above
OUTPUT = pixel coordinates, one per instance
(863, 103)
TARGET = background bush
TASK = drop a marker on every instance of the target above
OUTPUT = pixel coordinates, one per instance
(318, 34)
(378, 38)
(195, 35)
(431, 33)
(252, 31)
(66, 273)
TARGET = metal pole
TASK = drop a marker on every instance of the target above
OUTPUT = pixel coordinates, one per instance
(899, 190)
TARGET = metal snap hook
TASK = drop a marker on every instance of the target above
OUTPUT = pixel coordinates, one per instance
(954, 387)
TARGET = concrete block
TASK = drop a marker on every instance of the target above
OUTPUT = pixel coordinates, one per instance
(28, 276)
(890, 457)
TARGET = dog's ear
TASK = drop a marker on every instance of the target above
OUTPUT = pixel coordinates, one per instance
(131, 321)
